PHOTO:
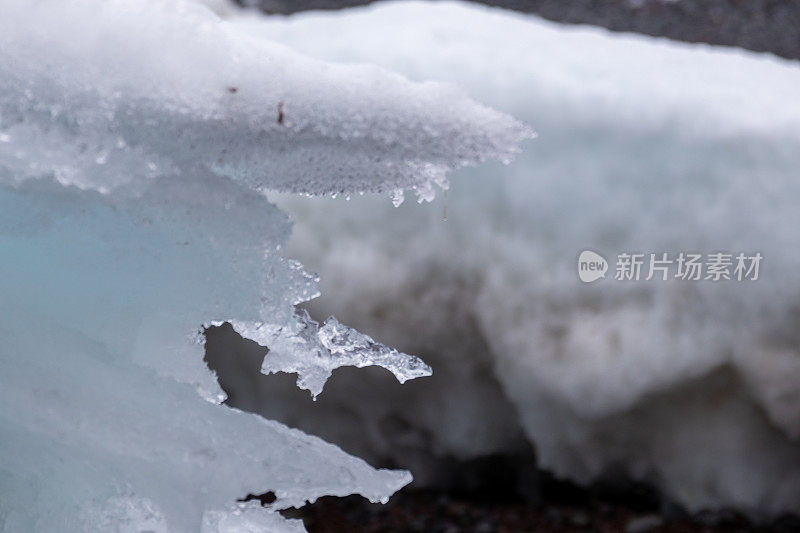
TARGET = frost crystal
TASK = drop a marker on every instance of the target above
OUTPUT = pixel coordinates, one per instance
(314, 352)
(398, 196)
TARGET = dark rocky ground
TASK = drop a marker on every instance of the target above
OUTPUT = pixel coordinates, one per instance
(437, 512)
(490, 502)
(760, 25)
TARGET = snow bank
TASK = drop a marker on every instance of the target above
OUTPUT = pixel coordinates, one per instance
(644, 145)
(135, 141)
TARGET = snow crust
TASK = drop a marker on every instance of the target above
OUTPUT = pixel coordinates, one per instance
(136, 139)
(191, 94)
(644, 145)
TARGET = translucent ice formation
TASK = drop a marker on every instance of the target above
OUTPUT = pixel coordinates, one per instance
(314, 352)
(101, 297)
(135, 140)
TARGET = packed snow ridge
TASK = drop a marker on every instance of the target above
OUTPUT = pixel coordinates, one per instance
(137, 139)
(645, 145)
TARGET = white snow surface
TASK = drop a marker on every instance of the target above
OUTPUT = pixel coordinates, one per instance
(644, 145)
(136, 138)
(191, 93)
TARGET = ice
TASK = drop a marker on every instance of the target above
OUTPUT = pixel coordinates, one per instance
(314, 352)
(250, 521)
(398, 197)
(101, 297)
(136, 141)
(644, 145)
(191, 93)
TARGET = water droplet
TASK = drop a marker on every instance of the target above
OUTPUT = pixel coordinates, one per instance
(397, 197)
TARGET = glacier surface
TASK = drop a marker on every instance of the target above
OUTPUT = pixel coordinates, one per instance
(137, 139)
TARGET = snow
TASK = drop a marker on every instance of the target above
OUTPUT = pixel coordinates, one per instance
(191, 93)
(644, 145)
(136, 141)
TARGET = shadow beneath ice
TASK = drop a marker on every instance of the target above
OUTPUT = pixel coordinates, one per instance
(367, 413)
